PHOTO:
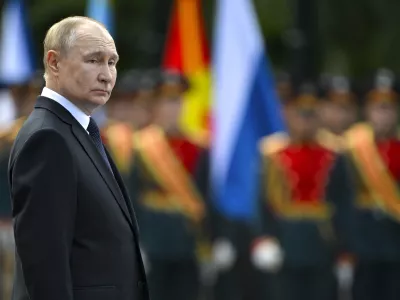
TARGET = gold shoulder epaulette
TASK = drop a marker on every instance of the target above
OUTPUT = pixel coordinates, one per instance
(331, 141)
(9, 134)
(17, 127)
(202, 140)
(4, 132)
(4, 137)
(358, 131)
(274, 143)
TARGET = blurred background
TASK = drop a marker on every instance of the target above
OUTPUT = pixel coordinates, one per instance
(249, 76)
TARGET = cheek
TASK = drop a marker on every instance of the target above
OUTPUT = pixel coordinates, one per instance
(86, 76)
(380, 117)
(114, 76)
(176, 108)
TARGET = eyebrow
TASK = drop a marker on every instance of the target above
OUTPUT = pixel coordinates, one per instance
(101, 53)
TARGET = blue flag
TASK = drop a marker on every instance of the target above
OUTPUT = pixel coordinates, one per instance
(246, 107)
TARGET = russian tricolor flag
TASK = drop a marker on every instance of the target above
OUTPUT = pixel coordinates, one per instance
(246, 107)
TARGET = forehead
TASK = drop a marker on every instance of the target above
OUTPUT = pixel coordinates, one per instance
(93, 38)
(305, 114)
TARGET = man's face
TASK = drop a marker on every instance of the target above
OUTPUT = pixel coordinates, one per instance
(167, 112)
(141, 113)
(303, 123)
(130, 110)
(337, 117)
(87, 72)
(383, 117)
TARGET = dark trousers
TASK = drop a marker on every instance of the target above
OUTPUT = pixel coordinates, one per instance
(173, 280)
(243, 281)
(376, 281)
(307, 283)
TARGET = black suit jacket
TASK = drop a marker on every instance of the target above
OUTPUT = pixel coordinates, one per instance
(75, 229)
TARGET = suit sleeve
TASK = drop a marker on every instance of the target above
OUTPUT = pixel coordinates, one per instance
(44, 193)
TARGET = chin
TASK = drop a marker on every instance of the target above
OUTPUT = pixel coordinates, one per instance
(99, 101)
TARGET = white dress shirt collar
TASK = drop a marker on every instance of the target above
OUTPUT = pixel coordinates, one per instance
(78, 114)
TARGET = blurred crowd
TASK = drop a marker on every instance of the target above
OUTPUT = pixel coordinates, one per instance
(326, 224)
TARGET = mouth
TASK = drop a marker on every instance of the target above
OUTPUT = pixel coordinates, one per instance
(101, 91)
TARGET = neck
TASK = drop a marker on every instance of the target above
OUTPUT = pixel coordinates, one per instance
(170, 128)
(302, 140)
(308, 138)
(385, 136)
(337, 131)
(171, 131)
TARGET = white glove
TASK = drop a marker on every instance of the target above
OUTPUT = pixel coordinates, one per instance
(267, 255)
(146, 262)
(224, 254)
(345, 274)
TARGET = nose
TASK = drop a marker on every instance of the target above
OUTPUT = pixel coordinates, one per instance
(105, 75)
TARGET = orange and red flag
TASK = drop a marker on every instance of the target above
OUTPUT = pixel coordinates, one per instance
(187, 51)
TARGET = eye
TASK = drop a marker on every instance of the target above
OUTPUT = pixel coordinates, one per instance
(92, 61)
(112, 63)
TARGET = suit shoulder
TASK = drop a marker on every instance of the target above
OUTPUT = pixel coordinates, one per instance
(40, 137)
(273, 144)
(43, 120)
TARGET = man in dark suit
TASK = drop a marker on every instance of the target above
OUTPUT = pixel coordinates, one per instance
(75, 230)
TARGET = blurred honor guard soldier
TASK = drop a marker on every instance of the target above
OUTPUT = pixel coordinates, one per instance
(24, 97)
(169, 208)
(373, 232)
(296, 236)
(127, 112)
(338, 112)
(75, 230)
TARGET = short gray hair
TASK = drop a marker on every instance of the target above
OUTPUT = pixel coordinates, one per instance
(62, 35)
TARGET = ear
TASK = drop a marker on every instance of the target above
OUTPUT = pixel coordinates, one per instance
(53, 58)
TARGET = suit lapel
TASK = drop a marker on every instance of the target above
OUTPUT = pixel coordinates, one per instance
(84, 139)
(102, 167)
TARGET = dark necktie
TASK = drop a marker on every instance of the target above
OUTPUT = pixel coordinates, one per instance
(94, 133)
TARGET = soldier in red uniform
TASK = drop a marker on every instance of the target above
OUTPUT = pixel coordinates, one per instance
(372, 233)
(169, 208)
(338, 112)
(295, 227)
